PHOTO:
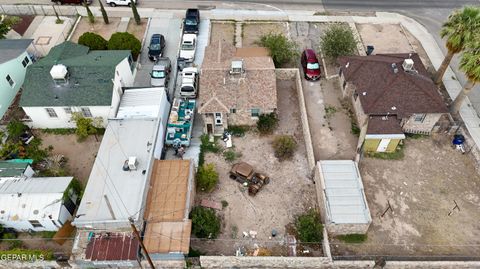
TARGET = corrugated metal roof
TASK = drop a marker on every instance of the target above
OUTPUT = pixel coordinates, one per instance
(32, 198)
(12, 169)
(344, 192)
(112, 247)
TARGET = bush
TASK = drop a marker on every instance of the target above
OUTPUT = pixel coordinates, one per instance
(59, 131)
(284, 146)
(309, 227)
(224, 203)
(207, 177)
(353, 238)
(337, 41)
(267, 123)
(93, 41)
(16, 128)
(85, 126)
(205, 223)
(231, 155)
(12, 241)
(34, 151)
(281, 49)
(237, 130)
(125, 41)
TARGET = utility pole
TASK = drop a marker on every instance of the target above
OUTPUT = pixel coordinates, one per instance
(132, 223)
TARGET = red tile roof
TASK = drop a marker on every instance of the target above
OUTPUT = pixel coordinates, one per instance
(112, 247)
(382, 91)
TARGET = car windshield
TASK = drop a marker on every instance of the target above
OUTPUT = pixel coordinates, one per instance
(155, 46)
(187, 89)
(158, 74)
(313, 66)
(187, 46)
(190, 21)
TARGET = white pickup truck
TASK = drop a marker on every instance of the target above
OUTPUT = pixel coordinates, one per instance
(189, 87)
(188, 47)
(114, 3)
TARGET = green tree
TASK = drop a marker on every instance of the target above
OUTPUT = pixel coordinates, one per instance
(136, 16)
(6, 23)
(16, 128)
(104, 13)
(205, 223)
(93, 41)
(282, 50)
(460, 29)
(337, 41)
(207, 177)
(85, 126)
(470, 65)
(309, 227)
(125, 41)
(267, 123)
(91, 18)
(284, 147)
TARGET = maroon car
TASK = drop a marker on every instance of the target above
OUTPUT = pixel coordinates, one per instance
(311, 67)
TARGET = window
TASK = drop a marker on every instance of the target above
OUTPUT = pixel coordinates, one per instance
(10, 81)
(68, 110)
(420, 117)
(36, 224)
(218, 119)
(86, 112)
(255, 112)
(51, 112)
(233, 110)
(25, 61)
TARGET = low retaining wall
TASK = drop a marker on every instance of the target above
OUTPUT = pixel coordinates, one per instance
(264, 262)
(294, 74)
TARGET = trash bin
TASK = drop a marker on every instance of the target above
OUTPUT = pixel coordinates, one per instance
(181, 63)
(370, 49)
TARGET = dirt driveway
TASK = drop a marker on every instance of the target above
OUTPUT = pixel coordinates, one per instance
(224, 31)
(422, 190)
(289, 193)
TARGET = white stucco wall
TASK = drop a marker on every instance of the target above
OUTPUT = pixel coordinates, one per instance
(64, 215)
(41, 119)
(123, 78)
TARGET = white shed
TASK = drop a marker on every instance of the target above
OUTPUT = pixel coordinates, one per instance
(341, 197)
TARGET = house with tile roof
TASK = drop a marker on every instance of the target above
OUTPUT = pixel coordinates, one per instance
(392, 94)
(14, 60)
(236, 86)
(71, 78)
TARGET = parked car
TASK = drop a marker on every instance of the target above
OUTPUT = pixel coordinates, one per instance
(77, 2)
(156, 47)
(191, 21)
(189, 87)
(310, 64)
(114, 3)
(188, 47)
(160, 74)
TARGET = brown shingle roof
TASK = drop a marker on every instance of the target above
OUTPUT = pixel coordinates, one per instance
(384, 125)
(254, 88)
(382, 91)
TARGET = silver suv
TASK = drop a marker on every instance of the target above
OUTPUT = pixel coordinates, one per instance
(160, 74)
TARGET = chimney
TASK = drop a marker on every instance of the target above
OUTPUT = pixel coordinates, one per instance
(407, 65)
(394, 67)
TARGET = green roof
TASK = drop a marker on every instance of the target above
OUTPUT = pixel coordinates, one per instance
(12, 169)
(90, 75)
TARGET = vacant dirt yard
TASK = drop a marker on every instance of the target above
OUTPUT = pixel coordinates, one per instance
(289, 193)
(106, 30)
(423, 190)
(252, 32)
(224, 31)
(80, 155)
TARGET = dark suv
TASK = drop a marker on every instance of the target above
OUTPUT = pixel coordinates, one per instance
(192, 20)
(156, 47)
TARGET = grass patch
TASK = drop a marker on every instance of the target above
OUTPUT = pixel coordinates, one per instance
(31, 254)
(59, 131)
(353, 238)
(205, 147)
(354, 128)
(398, 154)
(330, 111)
(231, 155)
(45, 234)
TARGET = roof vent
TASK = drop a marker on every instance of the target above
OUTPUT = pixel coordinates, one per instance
(347, 65)
(130, 164)
(394, 108)
(394, 67)
(237, 67)
(407, 65)
(59, 72)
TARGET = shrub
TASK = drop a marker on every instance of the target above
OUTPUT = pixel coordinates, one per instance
(281, 49)
(205, 147)
(205, 223)
(93, 41)
(60, 131)
(12, 241)
(231, 155)
(16, 128)
(284, 146)
(267, 123)
(353, 238)
(85, 126)
(125, 41)
(34, 151)
(207, 177)
(309, 227)
(237, 130)
(224, 203)
(6, 23)
(337, 41)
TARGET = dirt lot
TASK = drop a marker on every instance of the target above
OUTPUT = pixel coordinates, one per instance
(80, 155)
(224, 31)
(253, 31)
(421, 189)
(106, 30)
(137, 30)
(289, 193)
(35, 242)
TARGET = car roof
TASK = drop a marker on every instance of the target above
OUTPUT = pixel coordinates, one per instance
(189, 37)
(310, 53)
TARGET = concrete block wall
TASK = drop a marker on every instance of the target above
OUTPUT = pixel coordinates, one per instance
(264, 262)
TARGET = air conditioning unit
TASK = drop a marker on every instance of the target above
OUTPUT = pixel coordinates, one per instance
(237, 67)
(132, 163)
(407, 65)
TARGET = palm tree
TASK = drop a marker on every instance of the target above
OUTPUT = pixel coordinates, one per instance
(470, 65)
(459, 29)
